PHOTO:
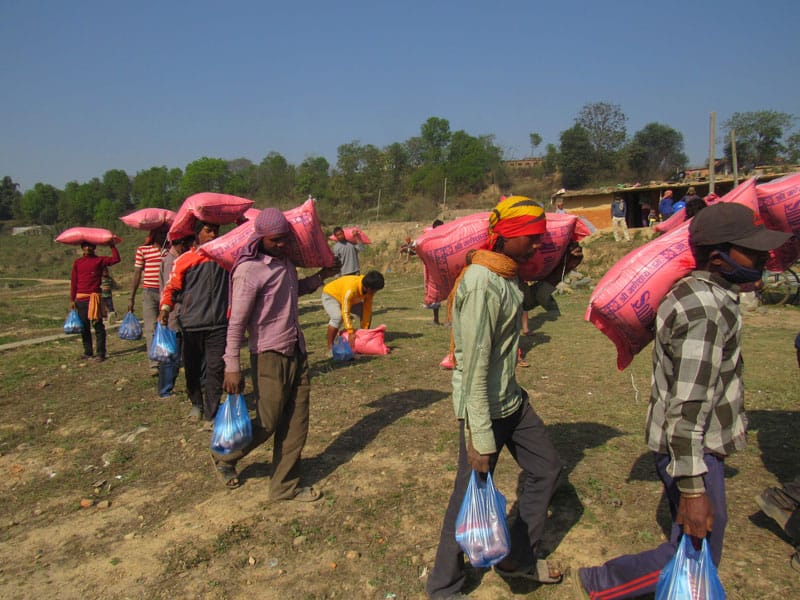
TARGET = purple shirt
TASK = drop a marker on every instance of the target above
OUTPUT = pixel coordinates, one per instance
(264, 303)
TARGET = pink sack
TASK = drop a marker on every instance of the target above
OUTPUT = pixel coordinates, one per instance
(779, 205)
(348, 235)
(677, 218)
(625, 301)
(148, 219)
(448, 362)
(561, 230)
(309, 248)
(443, 251)
(369, 341)
(75, 236)
(219, 209)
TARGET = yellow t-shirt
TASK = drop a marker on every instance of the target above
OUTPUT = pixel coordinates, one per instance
(349, 291)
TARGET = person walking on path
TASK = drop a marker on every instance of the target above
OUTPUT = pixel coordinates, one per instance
(696, 416)
(265, 288)
(201, 287)
(85, 290)
(493, 411)
(618, 219)
(347, 252)
(146, 270)
(346, 295)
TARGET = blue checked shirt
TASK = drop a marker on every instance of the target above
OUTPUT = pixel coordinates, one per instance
(697, 395)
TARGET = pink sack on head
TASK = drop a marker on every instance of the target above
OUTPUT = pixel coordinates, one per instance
(219, 209)
(443, 251)
(97, 236)
(308, 248)
(148, 219)
(369, 341)
(348, 235)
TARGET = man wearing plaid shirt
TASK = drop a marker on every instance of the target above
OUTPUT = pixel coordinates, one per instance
(696, 416)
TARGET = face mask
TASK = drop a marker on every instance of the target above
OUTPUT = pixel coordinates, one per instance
(738, 274)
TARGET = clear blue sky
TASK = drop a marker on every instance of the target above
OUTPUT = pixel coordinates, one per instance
(90, 86)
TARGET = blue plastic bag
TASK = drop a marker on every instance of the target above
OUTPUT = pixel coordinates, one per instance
(73, 323)
(165, 344)
(690, 575)
(232, 427)
(481, 527)
(130, 328)
(341, 349)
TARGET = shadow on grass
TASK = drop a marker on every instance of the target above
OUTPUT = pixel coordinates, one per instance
(350, 442)
(571, 440)
(776, 435)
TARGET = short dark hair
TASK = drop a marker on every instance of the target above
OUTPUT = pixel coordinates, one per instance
(694, 206)
(198, 226)
(337, 230)
(373, 280)
(437, 222)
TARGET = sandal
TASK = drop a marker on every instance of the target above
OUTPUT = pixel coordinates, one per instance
(541, 572)
(227, 473)
(304, 494)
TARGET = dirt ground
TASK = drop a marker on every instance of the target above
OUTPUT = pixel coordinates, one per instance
(382, 447)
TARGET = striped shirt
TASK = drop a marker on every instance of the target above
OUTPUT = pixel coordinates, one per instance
(486, 323)
(697, 394)
(148, 259)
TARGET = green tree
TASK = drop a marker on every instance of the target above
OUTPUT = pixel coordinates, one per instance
(604, 123)
(157, 187)
(205, 175)
(40, 204)
(577, 157)
(793, 148)
(536, 141)
(78, 201)
(397, 162)
(551, 159)
(656, 151)
(470, 162)
(435, 135)
(9, 197)
(243, 178)
(117, 188)
(759, 136)
(313, 175)
(276, 179)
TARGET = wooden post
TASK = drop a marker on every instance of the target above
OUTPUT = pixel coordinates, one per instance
(444, 199)
(711, 154)
(734, 162)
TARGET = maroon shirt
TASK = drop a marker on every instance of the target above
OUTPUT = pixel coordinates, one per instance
(87, 272)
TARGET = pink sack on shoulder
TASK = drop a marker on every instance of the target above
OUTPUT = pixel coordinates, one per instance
(625, 301)
(75, 236)
(561, 230)
(219, 209)
(369, 341)
(148, 219)
(779, 205)
(308, 247)
(348, 235)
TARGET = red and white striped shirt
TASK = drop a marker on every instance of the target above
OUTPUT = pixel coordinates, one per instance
(148, 259)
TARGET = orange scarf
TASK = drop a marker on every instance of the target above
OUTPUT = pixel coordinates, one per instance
(497, 263)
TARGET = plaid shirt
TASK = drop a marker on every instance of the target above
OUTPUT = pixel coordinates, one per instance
(697, 395)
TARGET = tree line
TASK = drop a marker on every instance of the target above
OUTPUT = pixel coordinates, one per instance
(404, 179)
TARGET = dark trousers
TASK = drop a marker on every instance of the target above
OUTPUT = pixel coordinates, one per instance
(168, 371)
(523, 433)
(634, 575)
(82, 306)
(283, 388)
(198, 347)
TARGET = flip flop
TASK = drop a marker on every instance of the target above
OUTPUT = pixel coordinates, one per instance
(226, 473)
(540, 572)
(305, 494)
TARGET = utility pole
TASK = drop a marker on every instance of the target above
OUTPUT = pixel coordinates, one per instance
(444, 199)
(734, 161)
(378, 212)
(712, 160)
